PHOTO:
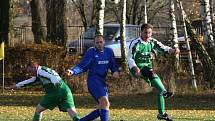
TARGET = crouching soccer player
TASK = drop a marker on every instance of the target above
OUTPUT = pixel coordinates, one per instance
(140, 64)
(97, 60)
(57, 92)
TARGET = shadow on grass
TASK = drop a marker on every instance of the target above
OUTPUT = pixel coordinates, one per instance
(139, 101)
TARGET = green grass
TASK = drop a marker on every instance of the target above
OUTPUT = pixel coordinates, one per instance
(20, 107)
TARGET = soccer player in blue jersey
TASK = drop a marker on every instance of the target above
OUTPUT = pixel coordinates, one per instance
(97, 61)
(57, 92)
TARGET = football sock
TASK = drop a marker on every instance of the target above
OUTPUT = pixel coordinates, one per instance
(76, 118)
(104, 115)
(156, 82)
(37, 116)
(93, 115)
(161, 104)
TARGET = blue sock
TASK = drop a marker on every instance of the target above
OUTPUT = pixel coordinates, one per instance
(104, 115)
(91, 116)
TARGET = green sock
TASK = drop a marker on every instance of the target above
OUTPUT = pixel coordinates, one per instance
(37, 116)
(161, 104)
(156, 82)
(76, 118)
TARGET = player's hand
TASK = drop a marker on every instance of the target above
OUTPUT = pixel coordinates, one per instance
(116, 74)
(12, 87)
(69, 72)
(137, 71)
(176, 51)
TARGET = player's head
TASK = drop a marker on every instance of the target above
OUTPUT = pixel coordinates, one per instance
(99, 42)
(146, 31)
(32, 67)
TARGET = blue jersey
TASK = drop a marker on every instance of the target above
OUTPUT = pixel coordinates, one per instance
(97, 63)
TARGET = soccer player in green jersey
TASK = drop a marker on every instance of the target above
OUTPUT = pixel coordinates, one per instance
(57, 92)
(140, 64)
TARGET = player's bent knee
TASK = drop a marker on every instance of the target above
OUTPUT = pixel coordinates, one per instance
(104, 103)
(40, 108)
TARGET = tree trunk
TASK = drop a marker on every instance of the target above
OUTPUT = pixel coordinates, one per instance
(100, 18)
(188, 45)
(4, 20)
(50, 21)
(61, 25)
(145, 11)
(208, 66)
(122, 36)
(37, 29)
(175, 44)
(208, 29)
(56, 22)
(11, 23)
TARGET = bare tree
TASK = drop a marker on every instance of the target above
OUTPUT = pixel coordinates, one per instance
(56, 22)
(136, 9)
(179, 4)
(37, 29)
(88, 10)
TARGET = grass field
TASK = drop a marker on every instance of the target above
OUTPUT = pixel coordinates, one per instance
(20, 107)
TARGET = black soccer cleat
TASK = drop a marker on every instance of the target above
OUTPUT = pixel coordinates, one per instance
(167, 94)
(164, 117)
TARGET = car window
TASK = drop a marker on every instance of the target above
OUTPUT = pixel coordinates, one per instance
(90, 33)
(110, 33)
(131, 33)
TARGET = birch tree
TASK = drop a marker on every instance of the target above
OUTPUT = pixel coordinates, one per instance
(207, 28)
(145, 12)
(208, 65)
(175, 42)
(122, 36)
(100, 18)
(206, 16)
(190, 60)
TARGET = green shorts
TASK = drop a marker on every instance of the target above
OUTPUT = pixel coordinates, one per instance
(61, 97)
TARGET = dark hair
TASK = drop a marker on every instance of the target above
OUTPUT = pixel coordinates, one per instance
(146, 26)
(98, 35)
(32, 62)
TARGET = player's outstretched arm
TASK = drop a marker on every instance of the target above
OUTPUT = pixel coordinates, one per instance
(13, 86)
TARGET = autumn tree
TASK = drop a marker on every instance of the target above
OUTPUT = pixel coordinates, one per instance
(56, 22)
(37, 27)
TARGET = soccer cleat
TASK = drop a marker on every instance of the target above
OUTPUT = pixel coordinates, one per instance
(167, 94)
(164, 117)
